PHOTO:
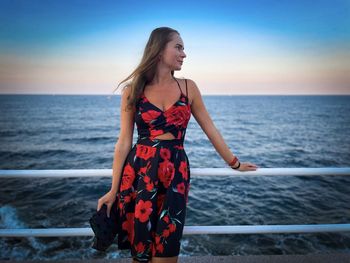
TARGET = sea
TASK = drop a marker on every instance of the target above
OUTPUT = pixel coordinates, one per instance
(271, 131)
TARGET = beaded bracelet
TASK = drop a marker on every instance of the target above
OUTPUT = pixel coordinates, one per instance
(233, 162)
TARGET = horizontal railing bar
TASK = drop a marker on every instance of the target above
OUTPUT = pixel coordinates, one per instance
(188, 230)
(194, 172)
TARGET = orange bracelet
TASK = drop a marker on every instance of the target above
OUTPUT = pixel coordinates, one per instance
(233, 161)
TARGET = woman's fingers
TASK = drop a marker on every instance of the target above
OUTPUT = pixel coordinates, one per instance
(99, 204)
(109, 210)
(251, 165)
(248, 167)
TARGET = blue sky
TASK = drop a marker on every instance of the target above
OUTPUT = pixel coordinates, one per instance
(232, 47)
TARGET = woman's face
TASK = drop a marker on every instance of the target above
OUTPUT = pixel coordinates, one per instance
(174, 54)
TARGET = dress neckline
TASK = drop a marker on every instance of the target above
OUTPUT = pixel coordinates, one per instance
(173, 105)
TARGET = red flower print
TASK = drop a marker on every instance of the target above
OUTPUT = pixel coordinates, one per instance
(181, 188)
(166, 219)
(166, 172)
(160, 248)
(128, 226)
(160, 202)
(172, 228)
(177, 117)
(133, 195)
(165, 153)
(155, 133)
(183, 170)
(127, 199)
(127, 177)
(153, 249)
(179, 147)
(149, 187)
(157, 239)
(179, 134)
(149, 184)
(140, 247)
(166, 233)
(146, 179)
(150, 115)
(121, 206)
(143, 170)
(144, 151)
(142, 210)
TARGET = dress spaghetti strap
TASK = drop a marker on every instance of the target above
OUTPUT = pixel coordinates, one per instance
(186, 88)
(178, 85)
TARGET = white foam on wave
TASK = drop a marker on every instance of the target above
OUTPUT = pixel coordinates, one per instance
(13, 247)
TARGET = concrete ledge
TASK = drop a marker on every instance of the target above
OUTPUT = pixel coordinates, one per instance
(311, 258)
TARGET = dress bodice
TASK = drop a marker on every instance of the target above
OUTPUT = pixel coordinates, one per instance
(152, 121)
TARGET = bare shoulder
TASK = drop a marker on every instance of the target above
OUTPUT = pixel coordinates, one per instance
(126, 91)
(126, 118)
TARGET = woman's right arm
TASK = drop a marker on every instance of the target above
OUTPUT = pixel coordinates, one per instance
(124, 143)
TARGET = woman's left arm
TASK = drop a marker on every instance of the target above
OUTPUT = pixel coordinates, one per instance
(204, 120)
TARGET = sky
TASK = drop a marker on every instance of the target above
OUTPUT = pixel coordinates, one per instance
(232, 47)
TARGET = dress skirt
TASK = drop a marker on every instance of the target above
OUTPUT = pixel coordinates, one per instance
(152, 198)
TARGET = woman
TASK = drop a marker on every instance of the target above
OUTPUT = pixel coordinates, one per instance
(155, 172)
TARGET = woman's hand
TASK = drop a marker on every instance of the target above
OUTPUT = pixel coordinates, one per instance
(107, 199)
(247, 167)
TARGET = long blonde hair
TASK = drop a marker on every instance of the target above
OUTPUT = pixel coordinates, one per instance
(145, 71)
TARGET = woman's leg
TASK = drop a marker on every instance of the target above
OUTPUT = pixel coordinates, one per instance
(134, 261)
(164, 260)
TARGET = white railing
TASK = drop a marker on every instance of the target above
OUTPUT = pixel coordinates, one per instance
(188, 230)
(194, 172)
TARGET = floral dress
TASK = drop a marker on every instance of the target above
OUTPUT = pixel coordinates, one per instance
(155, 182)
